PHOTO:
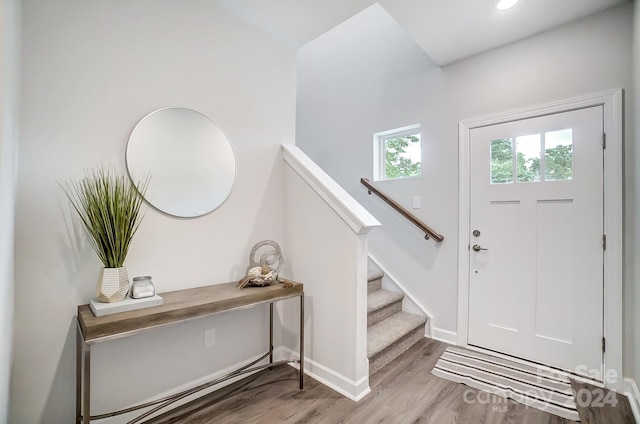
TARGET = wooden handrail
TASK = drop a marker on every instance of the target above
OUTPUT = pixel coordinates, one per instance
(429, 232)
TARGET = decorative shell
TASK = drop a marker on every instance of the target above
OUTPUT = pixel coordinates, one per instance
(261, 273)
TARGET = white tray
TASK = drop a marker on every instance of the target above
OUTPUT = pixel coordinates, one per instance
(100, 309)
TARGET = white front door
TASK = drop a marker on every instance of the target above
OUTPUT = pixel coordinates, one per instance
(536, 242)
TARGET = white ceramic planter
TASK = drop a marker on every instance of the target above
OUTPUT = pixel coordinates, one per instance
(113, 285)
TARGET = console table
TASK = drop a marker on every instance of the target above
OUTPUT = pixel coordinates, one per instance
(178, 306)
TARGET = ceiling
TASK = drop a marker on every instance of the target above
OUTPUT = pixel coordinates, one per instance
(447, 30)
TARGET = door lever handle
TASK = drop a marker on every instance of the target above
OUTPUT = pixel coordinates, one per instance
(477, 248)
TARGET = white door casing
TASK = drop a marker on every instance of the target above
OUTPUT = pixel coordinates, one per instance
(612, 104)
(536, 291)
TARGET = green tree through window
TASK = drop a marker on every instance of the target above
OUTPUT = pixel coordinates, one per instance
(398, 162)
(558, 162)
(528, 169)
(502, 161)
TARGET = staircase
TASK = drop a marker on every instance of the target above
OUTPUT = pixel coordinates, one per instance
(391, 331)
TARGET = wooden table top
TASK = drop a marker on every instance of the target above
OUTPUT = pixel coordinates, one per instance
(178, 306)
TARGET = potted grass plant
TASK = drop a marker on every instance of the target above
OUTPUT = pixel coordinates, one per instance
(108, 205)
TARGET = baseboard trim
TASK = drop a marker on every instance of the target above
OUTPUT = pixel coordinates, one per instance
(354, 390)
(446, 336)
(632, 392)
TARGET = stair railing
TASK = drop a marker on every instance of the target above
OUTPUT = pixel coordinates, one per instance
(429, 232)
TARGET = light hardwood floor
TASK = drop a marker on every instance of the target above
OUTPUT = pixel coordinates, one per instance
(402, 392)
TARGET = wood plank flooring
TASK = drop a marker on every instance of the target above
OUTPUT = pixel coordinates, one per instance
(403, 392)
(605, 412)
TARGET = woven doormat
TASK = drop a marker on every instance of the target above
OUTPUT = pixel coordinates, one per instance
(538, 387)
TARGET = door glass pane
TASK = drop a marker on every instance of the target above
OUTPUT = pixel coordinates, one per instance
(528, 158)
(558, 155)
(502, 161)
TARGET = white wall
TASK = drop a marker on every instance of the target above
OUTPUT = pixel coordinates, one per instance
(335, 127)
(91, 71)
(632, 290)
(378, 80)
(9, 122)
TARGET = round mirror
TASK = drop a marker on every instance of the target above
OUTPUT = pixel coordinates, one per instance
(187, 159)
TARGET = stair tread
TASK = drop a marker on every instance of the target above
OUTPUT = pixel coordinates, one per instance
(381, 298)
(374, 275)
(388, 331)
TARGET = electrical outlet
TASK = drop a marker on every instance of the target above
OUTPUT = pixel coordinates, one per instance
(210, 337)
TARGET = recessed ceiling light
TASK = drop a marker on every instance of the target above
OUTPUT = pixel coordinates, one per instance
(506, 4)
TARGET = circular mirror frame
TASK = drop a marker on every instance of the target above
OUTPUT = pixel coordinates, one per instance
(188, 177)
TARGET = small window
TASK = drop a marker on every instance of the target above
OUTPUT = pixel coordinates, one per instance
(397, 153)
(540, 157)
(528, 158)
(502, 161)
(558, 155)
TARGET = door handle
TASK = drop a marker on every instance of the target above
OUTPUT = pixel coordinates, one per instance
(477, 248)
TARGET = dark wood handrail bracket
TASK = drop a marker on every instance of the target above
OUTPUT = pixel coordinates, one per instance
(429, 232)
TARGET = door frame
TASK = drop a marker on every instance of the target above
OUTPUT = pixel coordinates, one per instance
(612, 103)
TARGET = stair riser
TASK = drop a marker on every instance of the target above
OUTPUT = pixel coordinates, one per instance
(396, 349)
(374, 285)
(378, 315)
